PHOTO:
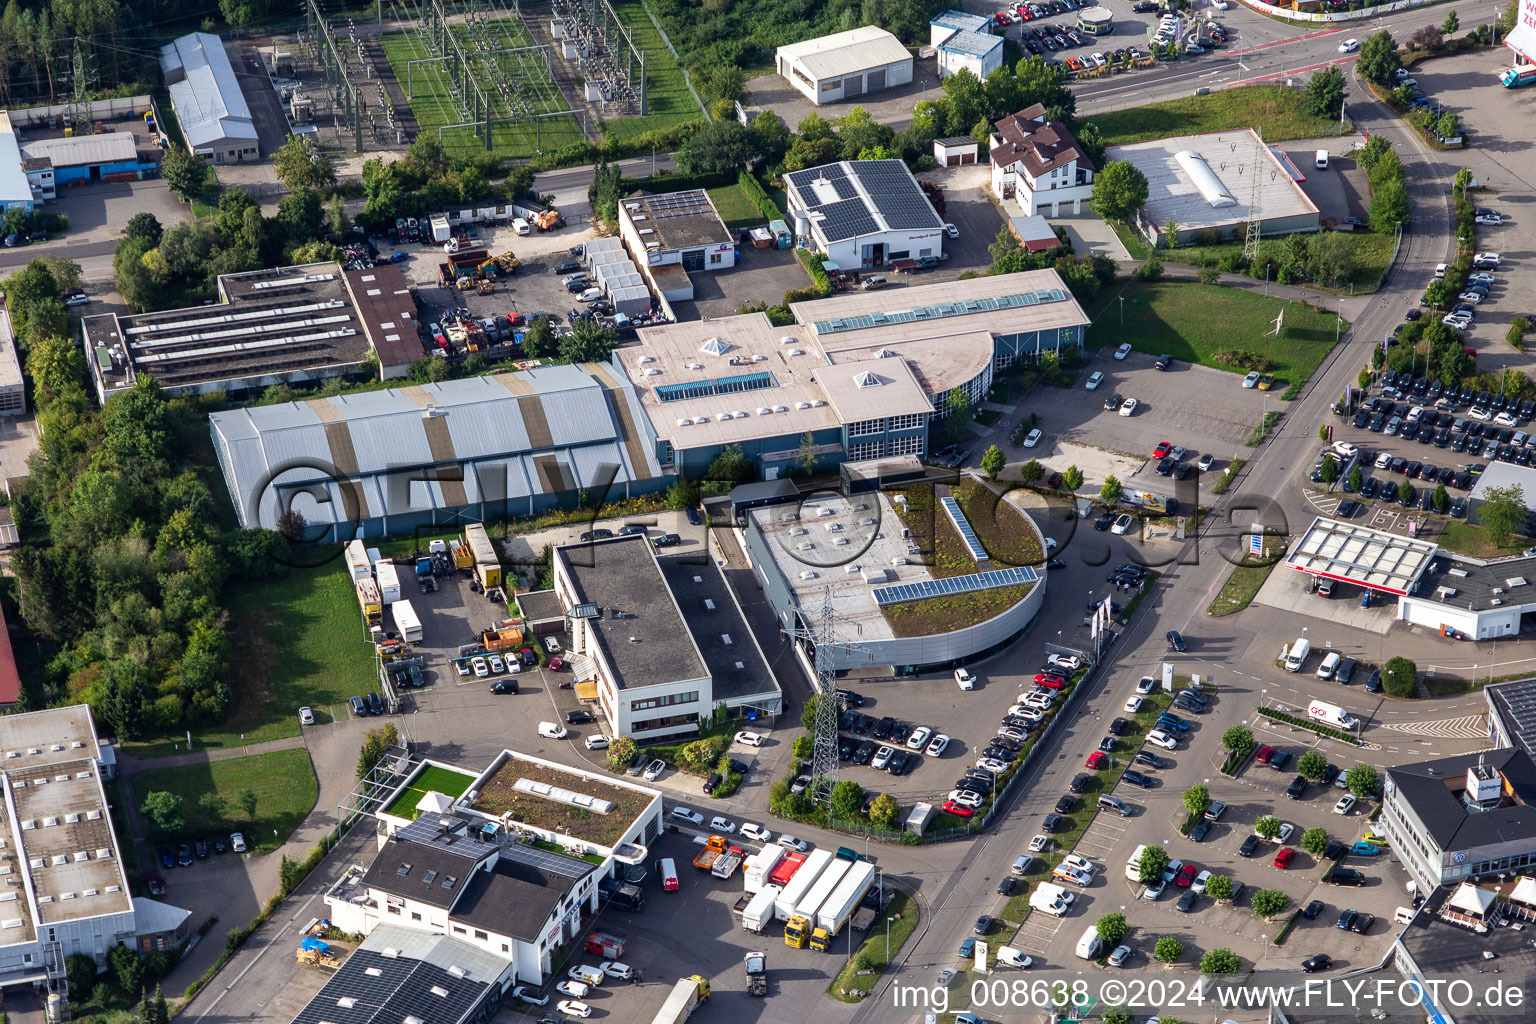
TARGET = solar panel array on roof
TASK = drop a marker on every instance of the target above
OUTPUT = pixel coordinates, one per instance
(989, 304)
(373, 986)
(883, 192)
(963, 527)
(566, 867)
(951, 585)
(1519, 700)
(845, 219)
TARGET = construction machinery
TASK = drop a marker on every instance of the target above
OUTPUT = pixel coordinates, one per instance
(507, 262)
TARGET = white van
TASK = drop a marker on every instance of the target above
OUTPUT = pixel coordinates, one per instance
(586, 974)
(1402, 915)
(1329, 666)
(1297, 655)
(1322, 159)
(964, 679)
(1090, 944)
(520, 226)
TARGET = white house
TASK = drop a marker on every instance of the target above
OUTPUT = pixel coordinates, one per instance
(965, 41)
(864, 213)
(1039, 164)
(845, 65)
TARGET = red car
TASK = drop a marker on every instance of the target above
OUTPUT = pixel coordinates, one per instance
(1162, 450)
(556, 664)
(1264, 754)
(1283, 858)
(1050, 681)
(1186, 875)
(950, 807)
(1096, 760)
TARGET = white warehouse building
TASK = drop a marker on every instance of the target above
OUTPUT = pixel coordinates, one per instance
(864, 213)
(845, 65)
(965, 41)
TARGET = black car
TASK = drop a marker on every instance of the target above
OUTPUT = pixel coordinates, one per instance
(1183, 703)
(1000, 752)
(715, 778)
(184, 855)
(1320, 962)
(1053, 823)
(984, 924)
(568, 267)
(1330, 773)
(977, 780)
(375, 704)
(862, 724)
(1079, 782)
(155, 884)
(1280, 760)
(1008, 886)
(1250, 846)
(578, 717)
(1146, 757)
(1368, 488)
(1346, 508)
(1164, 468)
(1104, 522)
(1194, 695)
(1135, 778)
(504, 686)
(1297, 788)
(845, 749)
(1067, 804)
(865, 751)
(201, 849)
(1118, 727)
(884, 727)
(1019, 722)
(1345, 876)
(1188, 901)
(850, 699)
(1201, 829)
(901, 763)
(1176, 641)
(1163, 362)
(1312, 910)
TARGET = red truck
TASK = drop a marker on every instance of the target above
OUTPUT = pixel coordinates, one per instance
(785, 870)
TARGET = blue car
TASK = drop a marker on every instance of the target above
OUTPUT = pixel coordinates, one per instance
(967, 949)
(1364, 849)
(694, 517)
(398, 257)
(1175, 721)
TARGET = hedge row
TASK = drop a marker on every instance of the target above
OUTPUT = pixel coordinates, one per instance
(1307, 723)
(759, 196)
(577, 154)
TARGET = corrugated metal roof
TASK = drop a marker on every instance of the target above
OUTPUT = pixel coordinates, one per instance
(493, 431)
(110, 148)
(205, 91)
(846, 53)
(14, 187)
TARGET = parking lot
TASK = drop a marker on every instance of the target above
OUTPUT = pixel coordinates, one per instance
(1339, 190)
(760, 276)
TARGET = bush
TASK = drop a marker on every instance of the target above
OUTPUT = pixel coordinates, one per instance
(1112, 928)
(1399, 677)
(1151, 270)
(1221, 961)
(1219, 888)
(1315, 841)
(1168, 950)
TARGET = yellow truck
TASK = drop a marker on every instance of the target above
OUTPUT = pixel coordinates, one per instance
(370, 602)
(487, 564)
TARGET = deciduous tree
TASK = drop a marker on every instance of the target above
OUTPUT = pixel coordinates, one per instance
(1119, 190)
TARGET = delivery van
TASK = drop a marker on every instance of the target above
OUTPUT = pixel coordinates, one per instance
(1297, 655)
(1322, 160)
(668, 872)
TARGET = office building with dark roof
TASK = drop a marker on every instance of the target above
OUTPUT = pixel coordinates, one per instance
(1037, 163)
(1459, 817)
(662, 637)
(863, 213)
(1512, 714)
(285, 325)
(676, 228)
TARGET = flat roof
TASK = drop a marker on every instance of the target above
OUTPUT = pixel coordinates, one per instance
(737, 667)
(861, 197)
(431, 778)
(961, 19)
(974, 44)
(386, 311)
(1473, 586)
(846, 53)
(1185, 172)
(1359, 554)
(652, 643)
(496, 797)
(1445, 949)
(675, 220)
(1504, 474)
(1515, 702)
(82, 150)
(10, 360)
(14, 186)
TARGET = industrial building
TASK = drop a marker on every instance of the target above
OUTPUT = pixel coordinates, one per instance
(13, 388)
(965, 41)
(1219, 182)
(283, 325)
(463, 883)
(65, 889)
(15, 188)
(1453, 936)
(851, 550)
(661, 638)
(1455, 818)
(1038, 164)
(387, 462)
(205, 94)
(52, 164)
(845, 65)
(1504, 474)
(676, 228)
(863, 213)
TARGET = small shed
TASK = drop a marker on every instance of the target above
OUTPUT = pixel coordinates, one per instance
(1034, 233)
(955, 151)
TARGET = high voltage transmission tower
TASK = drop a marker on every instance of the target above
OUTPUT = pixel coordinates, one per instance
(824, 644)
(1255, 221)
(82, 69)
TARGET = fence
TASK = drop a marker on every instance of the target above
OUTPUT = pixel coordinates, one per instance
(1316, 18)
(100, 110)
(687, 78)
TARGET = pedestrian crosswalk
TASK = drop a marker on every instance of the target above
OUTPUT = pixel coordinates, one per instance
(1467, 727)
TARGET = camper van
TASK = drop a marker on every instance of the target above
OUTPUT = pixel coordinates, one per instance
(1090, 944)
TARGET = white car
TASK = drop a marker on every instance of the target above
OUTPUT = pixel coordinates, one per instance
(1070, 662)
(1154, 890)
(598, 742)
(750, 739)
(1128, 407)
(1486, 257)
(654, 769)
(568, 987)
(1349, 46)
(553, 731)
(1135, 704)
(529, 994)
(1123, 351)
(1099, 60)
(1039, 701)
(1173, 869)
(937, 745)
(481, 669)
(1286, 831)
(1505, 419)
(614, 969)
(1094, 380)
(1122, 524)
(1079, 863)
(1016, 735)
(965, 679)
(790, 842)
(497, 665)
(306, 716)
(81, 299)
(1120, 955)
(1206, 462)
(756, 833)
(1457, 321)
(1345, 450)
(1030, 714)
(1489, 218)
(919, 738)
(462, 668)
(1252, 380)
(1039, 844)
(722, 825)
(1159, 738)
(1198, 885)
(965, 797)
(1440, 269)
(1033, 438)
(1345, 805)
(1145, 685)
(552, 645)
(882, 758)
(1383, 460)
(951, 231)
(991, 764)
(687, 814)
(573, 1008)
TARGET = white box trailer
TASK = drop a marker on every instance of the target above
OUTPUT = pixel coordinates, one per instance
(389, 581)
(800, 884)
(406, 621)
(760, 910)
(440, 229)
(825, 886)
(358, 566)
(834, 913)
(759, 866)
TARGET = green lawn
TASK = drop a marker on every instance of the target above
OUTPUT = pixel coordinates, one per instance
(433, 779)
(283, 781)
(668, 100)
(294, 640)
(1467, 539)
(735, 208)
(434, 107)
(1278, 112)
(1195, 322)
(1244, 583)
(902, 914)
